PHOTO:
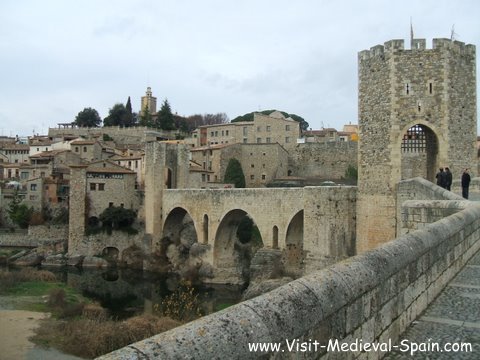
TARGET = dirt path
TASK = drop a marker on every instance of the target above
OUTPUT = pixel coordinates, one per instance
(16, 326)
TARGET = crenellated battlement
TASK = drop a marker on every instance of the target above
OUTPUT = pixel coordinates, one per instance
(398, 45)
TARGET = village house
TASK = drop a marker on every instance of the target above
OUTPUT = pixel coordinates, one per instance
(264, 129)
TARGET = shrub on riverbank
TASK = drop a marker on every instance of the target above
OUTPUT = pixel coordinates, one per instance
(89, 338)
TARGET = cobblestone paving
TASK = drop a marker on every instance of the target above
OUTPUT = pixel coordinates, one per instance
(454, 317)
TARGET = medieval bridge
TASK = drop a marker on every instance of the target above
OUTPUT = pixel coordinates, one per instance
(311, 226)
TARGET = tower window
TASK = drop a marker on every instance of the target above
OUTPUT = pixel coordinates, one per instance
(430, 88)
(407, 88)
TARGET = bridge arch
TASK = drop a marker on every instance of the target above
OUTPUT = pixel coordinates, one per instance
(175, 222)
(234, 247)
(110, 253)
(294, 243)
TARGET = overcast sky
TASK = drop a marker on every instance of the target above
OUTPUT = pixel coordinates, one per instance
(205, 56)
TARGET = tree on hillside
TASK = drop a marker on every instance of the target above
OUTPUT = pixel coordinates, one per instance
(234, 174)
(88, 117)
(165, 119)
(117, 116)
(249, 117)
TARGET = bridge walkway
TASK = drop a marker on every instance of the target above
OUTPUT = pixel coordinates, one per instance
(453, 317)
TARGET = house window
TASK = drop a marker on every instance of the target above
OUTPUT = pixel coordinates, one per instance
(252, 165)
(46, 187)
(84, 149)
(245, 131)
(259, 140)
(226, 132)
(259, 128)
(245, 140)
(101, 187)
(268, 128)
(287, 139)
(287, 127)
(203, 177)
(93, 187)
(252, 177)
(268, 140)
(110, 204)
(76, 148)
(33, 187)
(212, 133)
(264, 176)
(216, 133)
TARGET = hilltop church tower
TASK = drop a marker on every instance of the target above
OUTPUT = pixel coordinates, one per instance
(149, 102)
(417, 112)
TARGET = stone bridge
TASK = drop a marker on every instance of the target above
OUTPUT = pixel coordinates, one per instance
(371, 297)
(310, 227)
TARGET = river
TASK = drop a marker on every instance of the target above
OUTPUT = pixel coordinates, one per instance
(122, 292)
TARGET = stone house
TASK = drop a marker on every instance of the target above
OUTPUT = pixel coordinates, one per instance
(14, 153)
(89, 150)
(134, 162)
(109, 184)
(261, 163)
(264, 129)
(38, 144)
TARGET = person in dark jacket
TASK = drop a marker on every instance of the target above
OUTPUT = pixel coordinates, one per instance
(448, 179)
(465, 183)
(441, 178)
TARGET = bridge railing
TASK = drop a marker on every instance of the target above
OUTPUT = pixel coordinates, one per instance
(372, 297)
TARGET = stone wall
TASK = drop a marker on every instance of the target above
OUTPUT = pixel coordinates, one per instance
(121, 135)
(420, 189)
(36, 236)
(373, 297)
(325, 160)
(94, 245)
(418, 214)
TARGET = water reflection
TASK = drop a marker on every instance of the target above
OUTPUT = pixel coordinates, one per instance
(125, 292)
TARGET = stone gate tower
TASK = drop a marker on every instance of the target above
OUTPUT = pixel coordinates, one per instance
(417, 112)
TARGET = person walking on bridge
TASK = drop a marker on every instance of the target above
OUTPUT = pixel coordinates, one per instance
(448, 179)
(465, 183)
(441, 178)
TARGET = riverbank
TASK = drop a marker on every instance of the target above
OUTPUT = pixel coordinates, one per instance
(17, 326)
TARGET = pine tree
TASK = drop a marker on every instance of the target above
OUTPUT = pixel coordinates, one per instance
(165, 120)
(129, 120)
(146, 118)
(234, 174)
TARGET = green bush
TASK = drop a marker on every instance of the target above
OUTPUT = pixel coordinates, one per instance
(117, 217)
